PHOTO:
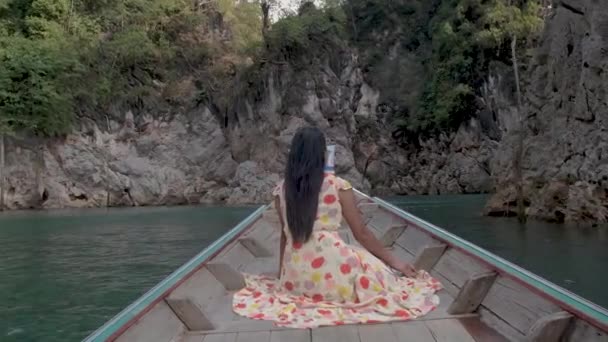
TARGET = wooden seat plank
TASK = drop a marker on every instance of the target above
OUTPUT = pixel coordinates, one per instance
(472, 293)
(549, 328)
(429, 256)
(190, 314)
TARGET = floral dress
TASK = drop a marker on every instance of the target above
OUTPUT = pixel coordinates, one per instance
(325, 281)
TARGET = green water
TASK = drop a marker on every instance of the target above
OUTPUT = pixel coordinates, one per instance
(64, 273)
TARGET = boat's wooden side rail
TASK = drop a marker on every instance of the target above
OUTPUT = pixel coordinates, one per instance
(518, 304)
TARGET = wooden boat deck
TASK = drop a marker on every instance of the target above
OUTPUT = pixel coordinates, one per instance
(257, 255)
(484, 298)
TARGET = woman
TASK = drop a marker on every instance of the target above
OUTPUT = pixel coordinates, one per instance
(322, 280)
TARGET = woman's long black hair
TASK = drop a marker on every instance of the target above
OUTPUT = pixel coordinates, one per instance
(303, 181)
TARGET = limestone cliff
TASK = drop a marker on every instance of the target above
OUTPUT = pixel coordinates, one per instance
(200, 153)
(566, 143)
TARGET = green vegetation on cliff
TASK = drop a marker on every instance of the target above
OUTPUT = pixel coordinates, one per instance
(62, 57)
(439, 52)
(92, 58)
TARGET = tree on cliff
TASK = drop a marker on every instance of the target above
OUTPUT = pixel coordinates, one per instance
(507, 24)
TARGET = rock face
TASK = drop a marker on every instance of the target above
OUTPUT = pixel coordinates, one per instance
(201, 154)
(565, 162)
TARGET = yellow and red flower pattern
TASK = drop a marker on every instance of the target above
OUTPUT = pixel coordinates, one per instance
(328, 282)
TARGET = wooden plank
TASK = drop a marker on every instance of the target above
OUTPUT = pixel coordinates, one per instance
(192, 288)
(290, 336)
(449, 330)
(262, 266)
(377, 332)
(383, 219)
(517, 305)
(481, 332)
(190, 314)
(160, 324)
(413, 331)
(255, 247)
(368, 210)
(392, 234)
(220, 338)
(428, 257)
(448, 286)
(472, 293)
(192, 338)
(228, 276)
(580, 330)
(445, 299)
(401, 253)
(549, 328)
(342, 333)
(414, 240)
(236, 256)
(458, 267)
(260, 336)
(505, 329)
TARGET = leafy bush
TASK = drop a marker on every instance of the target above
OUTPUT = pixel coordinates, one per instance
(35, 83)
(313, 30)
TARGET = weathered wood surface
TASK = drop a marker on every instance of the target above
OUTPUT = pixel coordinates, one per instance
(429, 256)
(449, 330)
(260, 336)
(391, 234)
(343, 333)
(160, 324)
(255, 247)
(192, 338)
(458, 267)
(376, 333)
(190, 314)
(490, 319)
(229, 277)
(580, 330)
(220, 338)
(290, 336)
(549, 328)
(472, 293)
(414, 240)
(412, 331)
(517, 305)
(203, 288)
(368, 210)
(481, 332)
(236, 256)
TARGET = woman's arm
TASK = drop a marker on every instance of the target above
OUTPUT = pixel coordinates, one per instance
(277, 205)
(366, 238)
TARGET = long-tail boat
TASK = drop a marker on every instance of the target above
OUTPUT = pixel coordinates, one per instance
(485, 298)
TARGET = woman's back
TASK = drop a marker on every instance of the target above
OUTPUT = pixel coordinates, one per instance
(329, 211)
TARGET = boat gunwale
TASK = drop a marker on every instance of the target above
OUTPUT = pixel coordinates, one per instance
(507, 268)
(114, 328)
